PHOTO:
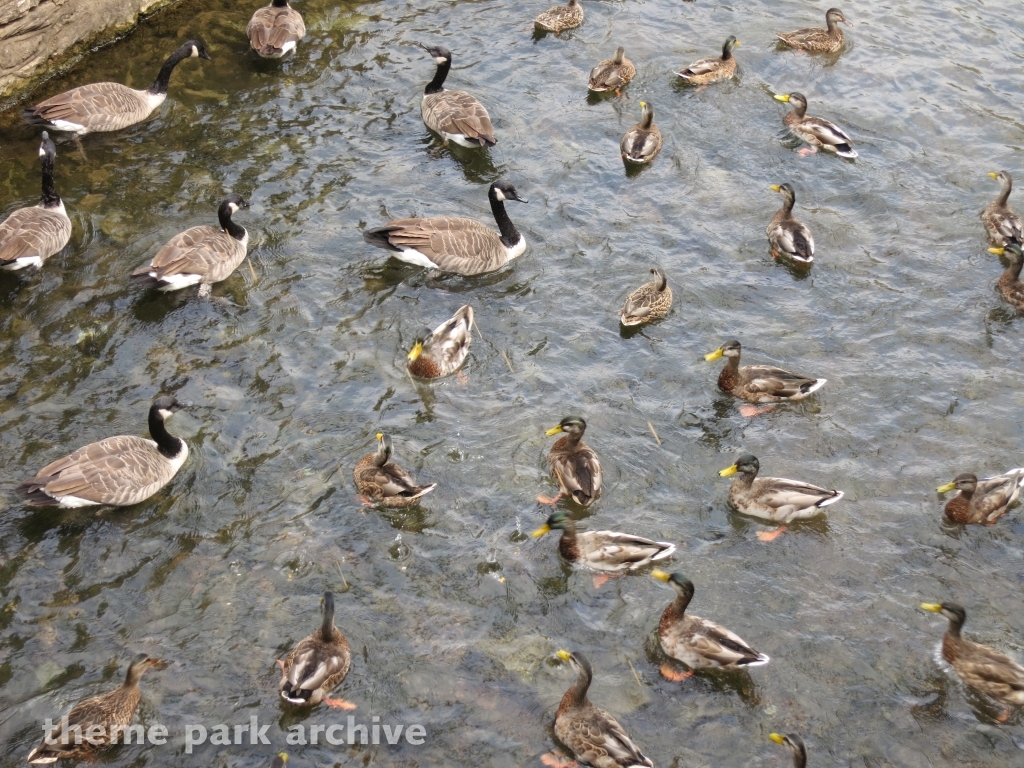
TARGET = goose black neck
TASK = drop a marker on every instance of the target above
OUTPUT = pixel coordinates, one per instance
(509, 234)
(50, 197)
(168, 445)
(224, 216)
(280, 3)
(437, 84)
(159, 85)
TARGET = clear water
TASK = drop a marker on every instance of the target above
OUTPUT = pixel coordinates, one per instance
(453, 614)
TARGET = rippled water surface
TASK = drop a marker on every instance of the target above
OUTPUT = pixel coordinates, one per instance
(453, 613)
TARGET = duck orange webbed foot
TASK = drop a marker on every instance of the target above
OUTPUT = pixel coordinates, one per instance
(339, 704)
(600, 579)
(749, 411)
(807, 151)
(547, 500)
(669, 673)
(281, 664)
(557, 760)
(366, 501)
(463, 379)
(771, 535)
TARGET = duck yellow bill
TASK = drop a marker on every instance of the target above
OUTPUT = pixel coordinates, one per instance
(380, 435)
(932, 607)
(416, 350)
(775, 187)
(541, 531)
(729, 471)
(554, 430)
(782, 96)
(283, 756)
(718, 352)
(946, 488)
(994, 175)
(563, 655)
(996, 251)
(661, 575)
(777, 738)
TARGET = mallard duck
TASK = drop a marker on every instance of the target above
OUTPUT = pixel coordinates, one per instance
(574, 464)
(118, 471)
(594, 736)
(31, 235)
(100, 107)
(559, 18)
(455, 115)
(612, 74)
(697, 642)
(383, 482)
(607, 551)
(275, 29)
(774, 498)
(442, 352)
(648, 302)
(1009, 286)
(713, 68)
(112, 711)
(788, 236)
(816, 131)
(642, 142)
(318, 664)
(983, 668)
(280, 760)
(1002, 224)
(815, 39)
(455, 244)
(760, 383)
(985, 500)
(201, 255)
(796, 746)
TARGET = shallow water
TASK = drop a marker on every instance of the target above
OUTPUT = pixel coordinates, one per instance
(452, 612)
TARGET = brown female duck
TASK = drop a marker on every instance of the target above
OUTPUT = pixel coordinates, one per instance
(714, 68)
(982, 501)
(612, 74)
(317, 664)
(649, 302)
(815, 39)
(787, 235)
(642, 142)
(381, 481)
(559, 18)
(1009, 286)
(1003, 225)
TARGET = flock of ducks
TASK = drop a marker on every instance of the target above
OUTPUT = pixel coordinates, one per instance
(127, 469)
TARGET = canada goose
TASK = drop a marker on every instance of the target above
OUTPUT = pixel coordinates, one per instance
(713, 68)
(612, 74)
(29, 236)
(454, 244)
(381, 481)
(642, 142)
(455, 115)
(815, 39)
(118, 471)
(203, 255)
(788, 236)
(559, 18)
(112, 711)
(816, 131)
(648, 302)
(317, 664)
(443, 351)
(1003, 225)
(796, 746)
(275, 29)
(101, 107)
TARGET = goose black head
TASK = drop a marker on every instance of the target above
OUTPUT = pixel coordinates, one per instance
(441, 54)
(503, 190)
(168, 405)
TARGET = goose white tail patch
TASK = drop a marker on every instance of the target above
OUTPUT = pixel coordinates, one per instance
(288, 47)
(74, 502)
(176, 282)
(22, 262)
(412, 256)
(64, 125)
(462, 141)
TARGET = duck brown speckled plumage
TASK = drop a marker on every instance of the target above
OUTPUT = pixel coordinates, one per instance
(317, 664)
(559, 18)
(442, 352)
(612, 74)
(714, 68)
(606, 551)
(815, 39)
(594, 736)
(113, 710)
(642, 142)
(787, 235)
(649, 302)
(383, 482)
(574, 464)
(1009, 286)
(760, 383)
(1003, 225)
(982, 501)
(983, 668)
(818, 132)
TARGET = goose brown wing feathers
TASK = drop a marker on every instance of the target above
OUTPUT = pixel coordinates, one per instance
(271, 28)
(205, 251)
(33, 232)
(454, 244)
(97, 107)
(457, 112)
